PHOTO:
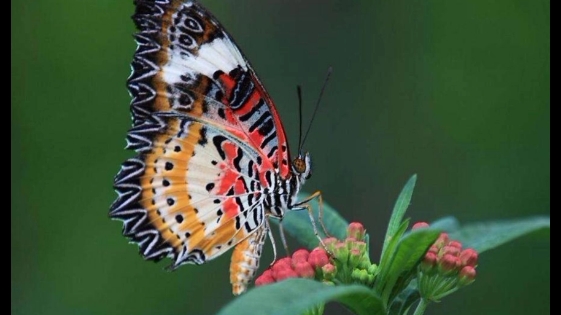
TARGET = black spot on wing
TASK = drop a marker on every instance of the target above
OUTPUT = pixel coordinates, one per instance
(217, 74)
(253, 110)
(265, 116)
(266, 127)
(238, 223)
(217, 141)
(250, 168)
(238, 159)
(221, 113)
(179, 218)
(203, 139)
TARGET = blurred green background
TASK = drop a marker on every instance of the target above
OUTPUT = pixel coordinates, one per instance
(457, 92)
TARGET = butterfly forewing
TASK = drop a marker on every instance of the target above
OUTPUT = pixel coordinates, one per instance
(208, 138)
(198, 71)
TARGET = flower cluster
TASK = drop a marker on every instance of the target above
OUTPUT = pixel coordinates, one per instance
(335, 261)
(446, 267)
(350, 257)
(302, 264)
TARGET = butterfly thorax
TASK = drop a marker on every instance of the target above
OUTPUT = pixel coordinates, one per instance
(283, 195)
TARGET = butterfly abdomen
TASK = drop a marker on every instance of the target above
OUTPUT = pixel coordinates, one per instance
(245, 260)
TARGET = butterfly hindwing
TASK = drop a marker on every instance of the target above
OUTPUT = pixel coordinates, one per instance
(195, 194)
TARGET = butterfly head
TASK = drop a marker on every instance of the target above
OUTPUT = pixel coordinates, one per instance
(302, 166)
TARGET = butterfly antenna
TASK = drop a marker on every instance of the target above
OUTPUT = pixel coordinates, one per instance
(299, 91)
(329, 71)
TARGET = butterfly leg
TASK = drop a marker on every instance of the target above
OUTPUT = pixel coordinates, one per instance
(304, 204)
(308, 208)
(320, 215)
(273, 243)
(283, 240)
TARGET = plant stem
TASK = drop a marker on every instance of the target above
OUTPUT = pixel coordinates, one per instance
(420, 310)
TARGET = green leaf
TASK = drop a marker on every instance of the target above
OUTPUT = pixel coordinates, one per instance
(409, 252)
(388, 256)
(297, 224)
(488, 235)
(296, 296)
(398, 212)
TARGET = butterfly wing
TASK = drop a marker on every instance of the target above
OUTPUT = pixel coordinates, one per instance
(207, 134)
(190, 196)
(186, 64)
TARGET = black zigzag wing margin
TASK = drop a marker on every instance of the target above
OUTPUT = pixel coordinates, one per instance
(126, 208)
(148, 20)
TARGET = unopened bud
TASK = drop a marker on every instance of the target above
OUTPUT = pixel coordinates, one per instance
(318, 258)
(304, 269)
(329, 271)
(300, 255)
(356, 230)
(449, 264)
(469, 257)
(420, 225)
(442, 240)
(467, 275)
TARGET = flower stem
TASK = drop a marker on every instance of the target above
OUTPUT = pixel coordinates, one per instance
(420, 310)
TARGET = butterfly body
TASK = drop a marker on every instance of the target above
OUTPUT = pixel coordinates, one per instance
(213, 162)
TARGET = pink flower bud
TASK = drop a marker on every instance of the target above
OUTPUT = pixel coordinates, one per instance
(329, 243)
(300, 255)
(304, 269)
(456, 244)
(265, 278)
(281, 263)
(469, 257)
(450, 250)
(285, 273)
(329, 271)
(434, 249)
(467, 275)
(419, 225)
(360, 245)
(442, 240)
(449, 263)
(330, 240)
(429, 261)
(318, 258)
(280, 266)
(356, 230)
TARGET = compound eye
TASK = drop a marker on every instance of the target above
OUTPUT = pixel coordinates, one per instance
(299, 165)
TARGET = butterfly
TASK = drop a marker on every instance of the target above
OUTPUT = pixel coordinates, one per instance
(213, 162)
